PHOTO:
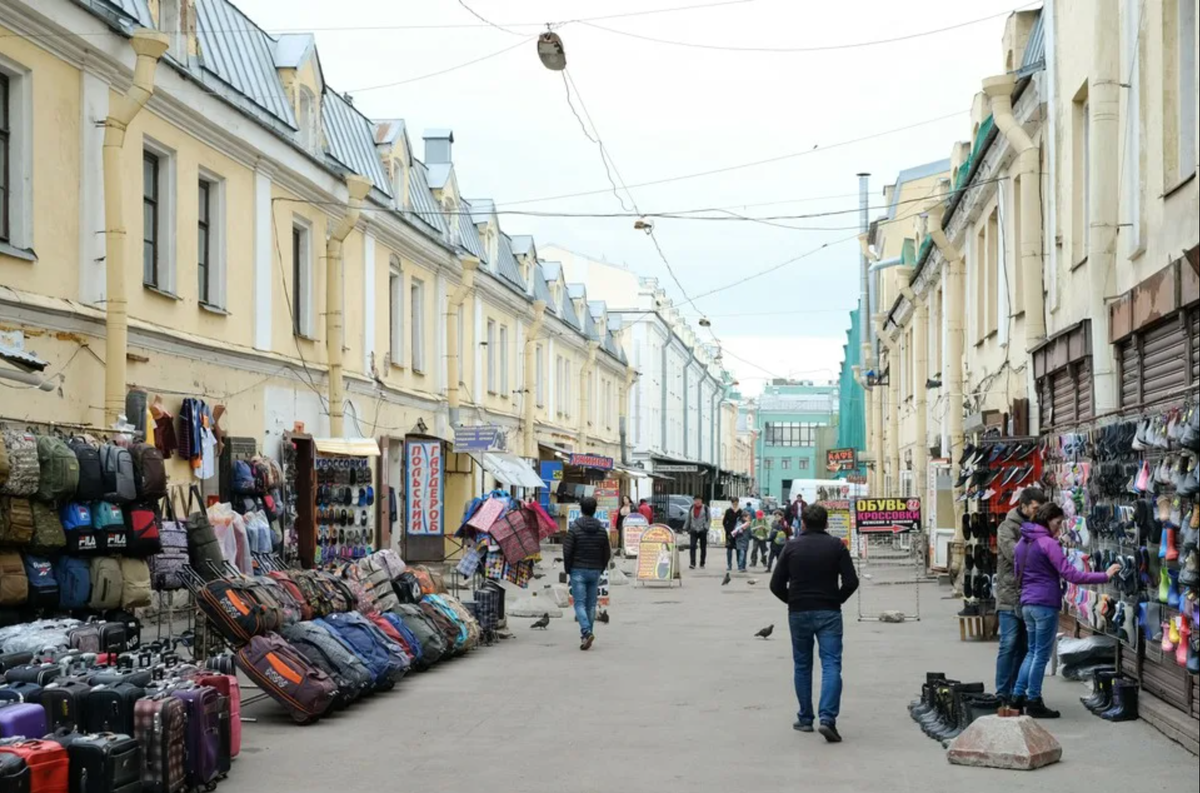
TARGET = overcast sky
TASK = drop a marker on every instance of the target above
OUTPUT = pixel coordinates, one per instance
(665, 111)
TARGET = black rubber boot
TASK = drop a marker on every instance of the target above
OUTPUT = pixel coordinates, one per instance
(1102, 680)
(945, 717)
(1105, 700)
(1125, 701)
(970, 708)
(1038, 710)
(926, 699)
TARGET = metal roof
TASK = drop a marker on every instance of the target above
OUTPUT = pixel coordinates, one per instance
(506, 265)
(567, 312)
(26, 362)
(612, 348)
(522, 244)
(482, 209)
(798, 403)
(136, 9)
(242, 55)
(911, 175)
(466, 228)
(552, 270)
(577, 290)
(351, 141)
(598, 308)
(388, 130)
(590, 329)
(1034, 58)
(439, 174)
(421, 201)
(541, 289)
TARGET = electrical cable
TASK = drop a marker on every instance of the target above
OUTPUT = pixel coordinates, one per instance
(447, 70)
(487, 21)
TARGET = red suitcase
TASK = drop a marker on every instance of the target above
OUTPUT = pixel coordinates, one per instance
(228, 686)
(49, 767)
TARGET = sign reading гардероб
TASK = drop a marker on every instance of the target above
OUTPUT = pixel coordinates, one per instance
(895, 515)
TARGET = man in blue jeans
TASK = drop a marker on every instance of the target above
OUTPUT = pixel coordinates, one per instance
(1013, 636)
(815, 577)
(586, 552)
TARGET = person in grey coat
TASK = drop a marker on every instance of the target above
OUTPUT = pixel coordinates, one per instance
(696, 523)
(1013, 639)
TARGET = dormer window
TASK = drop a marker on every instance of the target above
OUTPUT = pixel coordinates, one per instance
(308, 116)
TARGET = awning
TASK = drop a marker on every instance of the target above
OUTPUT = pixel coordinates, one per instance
(632, 473)
(510, 470)
(351, 447)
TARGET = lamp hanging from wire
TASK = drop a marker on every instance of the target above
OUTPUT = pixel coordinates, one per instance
(550, 51)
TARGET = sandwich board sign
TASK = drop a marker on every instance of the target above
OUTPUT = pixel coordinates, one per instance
(658, 556)
(633, 528)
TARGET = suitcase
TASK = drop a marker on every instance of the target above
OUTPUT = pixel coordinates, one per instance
(160, 726)
(227, 686)
(287, 677)
(203, 707)
(22, 719)
(109, 677)
(41, 674)
(102, 763)
(47, 762)
(14, 774)
(9, 660)
(21, 692)
(224, 738)
(65, 701)
(99, 637)
(110, 708)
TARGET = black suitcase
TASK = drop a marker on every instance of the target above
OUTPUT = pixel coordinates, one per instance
(14, 774)
(20, 692)
(224, 737)
(9, 660)
(102, 763)
(65, 701)
(41, 674)
(110, 708)
(109, 677)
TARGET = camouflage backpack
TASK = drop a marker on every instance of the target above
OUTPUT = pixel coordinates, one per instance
(24, 471)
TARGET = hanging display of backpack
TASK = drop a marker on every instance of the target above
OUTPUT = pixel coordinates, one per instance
(58, 470)
(107, 584)
(135, 584)
(108, 520)
(14, 584)
(48, 536)
(74, 582)
(116, 471)
(144, 530)
(149, 472)
(91, 478)
(24, 472)
(76, 520)
(16, 521)
(43, 586)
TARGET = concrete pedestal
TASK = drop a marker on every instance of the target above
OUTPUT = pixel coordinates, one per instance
(1014, 743)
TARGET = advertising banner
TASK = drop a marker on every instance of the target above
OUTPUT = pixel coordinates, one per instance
(634, 527)
(716, 525)
(838, 460)
(895, 515)
(841, 519)
(658, 556)
(552, 474)
(592, 461)
(424, 494)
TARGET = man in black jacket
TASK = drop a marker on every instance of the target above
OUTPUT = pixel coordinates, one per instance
(807, 580)
(586, 552)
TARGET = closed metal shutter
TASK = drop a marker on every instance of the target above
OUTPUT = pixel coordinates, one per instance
(1194, 324)
(1164, 367)
(1083, 387)
(1063, 397)
(1045, 404)
(1127, 354)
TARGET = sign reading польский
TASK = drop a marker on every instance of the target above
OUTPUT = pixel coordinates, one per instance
(895, 515)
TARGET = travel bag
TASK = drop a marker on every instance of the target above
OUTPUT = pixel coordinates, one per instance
(47, 762)
(99, 637)
(22, 720)
(104, 763)
(24, 472)
(81, 535)
(39, 674)
(285, 580)
(173, 539)
(202, 705)
(456, 636)
(108, 519)
(386, 660)
(325, 650)
(433, 641)
(135, 584)
(110, 707)
(227, 686)
(116, 470)
(204, 549)
(412, 642)
(43, 586)
(160, 726)
(66, 702)
(58, 469)
(230, 606)
(74, 582)
(304, 690)
(107, 583)
(9, 660)
(465, 619)
(90, 486)
(16, 521)
(14, 773)
(21, 692)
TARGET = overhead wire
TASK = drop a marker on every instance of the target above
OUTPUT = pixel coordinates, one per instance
(487, 21)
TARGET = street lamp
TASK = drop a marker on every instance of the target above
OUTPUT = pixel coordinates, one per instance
(550, 50)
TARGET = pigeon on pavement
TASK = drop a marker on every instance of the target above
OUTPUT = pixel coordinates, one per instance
(602, 617)
(766, 632)
(542, 622)
(726, 580)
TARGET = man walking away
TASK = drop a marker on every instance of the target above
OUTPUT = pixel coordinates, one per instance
(729, 521)
(807, 579)
(586, 553)
(1013, 638)
(696, 524)
(780, 532)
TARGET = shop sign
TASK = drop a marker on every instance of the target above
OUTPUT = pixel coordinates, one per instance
(676, 469)
(841, 519)
(552, 474)
(574, 514)
(658, 555)
(592, 461)
(856, 479)
(425, 491)
(895, 515)
(838, 460)
(480, 438)
(634, 527)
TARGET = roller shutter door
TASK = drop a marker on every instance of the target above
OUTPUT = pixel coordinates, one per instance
(1164, 360)
(1127, 353)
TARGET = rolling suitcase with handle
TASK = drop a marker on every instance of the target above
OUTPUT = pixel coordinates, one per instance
(110, 708)
(47, 762)
(23, 720)
(227, 686)
(65, 701)
(203, 708)
(102, 763)
(20, 692)
(287, 677)
(160, 726)
(40, 674)
(14, 774)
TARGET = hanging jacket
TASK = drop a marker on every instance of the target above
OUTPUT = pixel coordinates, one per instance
(1040, 564)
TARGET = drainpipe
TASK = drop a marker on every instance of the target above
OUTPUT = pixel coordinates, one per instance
(149, 46)
(531, 339)
(892, 420)
(1103, 115)
(585, 394)
(999, 90)
(718, 399)
(920, 378)
(631, 377)
(453, 365)
(335, 322)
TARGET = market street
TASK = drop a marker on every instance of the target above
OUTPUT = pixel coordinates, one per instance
(677, 692)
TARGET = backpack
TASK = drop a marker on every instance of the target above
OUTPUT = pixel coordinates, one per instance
(43, 586)
(48, 535)
(24, 473)
(14, 584)
(262, 475)
(91, 479)
(433, 642)
(377, 581)
(58, 470)
(77, 525)
(407, 639)
(108, 520)
(149, 472)
(135, 584)
(74, 582)
(204, 549)
(144, 535)
(364, 640)
(107, 584)
(16, 521)
(166, 565)
(116, 470)
(243, 478)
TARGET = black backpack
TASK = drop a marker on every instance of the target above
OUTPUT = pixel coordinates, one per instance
(91, 480)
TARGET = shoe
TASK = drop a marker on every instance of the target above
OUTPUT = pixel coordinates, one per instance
(1164, 585)
(830, 732)
(1173, 589)
(926, 698)
(1185, 641)
(586, 644)
(691, 567)
(1038, 710)
(970, 708)
(802, 727)
(1101, 687)
(1167, 549)
(1125, 702)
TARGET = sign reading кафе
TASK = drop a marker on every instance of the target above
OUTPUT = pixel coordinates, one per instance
(896, 515)
(837, 460)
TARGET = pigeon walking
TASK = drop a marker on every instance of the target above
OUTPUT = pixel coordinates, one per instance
(751, 581)
(602, 617)
(542, 622)
(725, 580)
(765, 633)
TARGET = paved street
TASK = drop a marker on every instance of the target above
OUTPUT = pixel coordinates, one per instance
(677, 692)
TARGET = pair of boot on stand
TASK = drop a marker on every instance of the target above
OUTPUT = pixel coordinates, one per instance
(1114, 698)
(947, 707)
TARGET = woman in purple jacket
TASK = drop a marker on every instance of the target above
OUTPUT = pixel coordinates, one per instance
(1039, 564)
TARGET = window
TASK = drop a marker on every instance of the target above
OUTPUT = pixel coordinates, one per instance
(1186, 52)
(5, 157)
(791, 434)
(504, 361)
(803, 463)
(203, 240)
(491, 356)
(1081, 204)
(150, 220)
(158, 217)
(785, 463)
(301, 304)
(539, 356)
(308, 119)
(993, 272)
(768, 463)
(558, 385)
(417, 317)
(16, 159)
(210, 241)
(395, 314)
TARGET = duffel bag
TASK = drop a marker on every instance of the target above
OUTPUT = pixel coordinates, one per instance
(326, 650)
(284, 579)
(465, 617)
(386, 660)
(394, 628)
(433, 642)
(407, 588)
(232, 608)
(449, 624)
(378, 582)
(287, 677)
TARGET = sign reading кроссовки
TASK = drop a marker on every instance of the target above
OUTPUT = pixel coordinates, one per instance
(897, 515)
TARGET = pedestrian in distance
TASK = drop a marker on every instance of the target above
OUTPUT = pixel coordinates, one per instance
(1013, 638)
(646, 510)
(799, 505)
(741, 534)
(815, 576)
(696, 523)
(730, 521)
(627, 509)
(760, 532)
(586, 553)
(1039, 565)
(780, 533)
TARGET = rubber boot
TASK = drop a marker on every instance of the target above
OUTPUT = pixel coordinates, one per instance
(1164, 585)
(973, 706)
(1185, 641)
(1193, 659)
(1173, 589)
(1101, 687)
(1189, 576)
(1169, 551)
(919, 707)
(1168, 646)
(1125, 702)
(1038, 710)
